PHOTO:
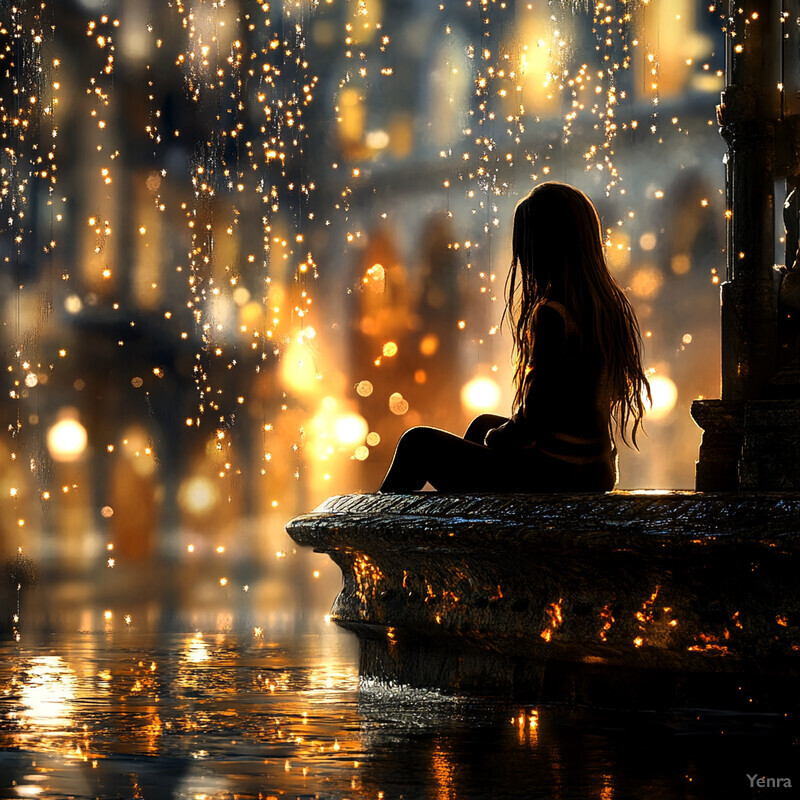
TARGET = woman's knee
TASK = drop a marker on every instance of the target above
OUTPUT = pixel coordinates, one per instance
(476, 430)
(414, 438)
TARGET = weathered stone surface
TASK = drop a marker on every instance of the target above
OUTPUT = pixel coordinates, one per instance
(749, 446)
(678, 598)
(771, 445)
(717, 468)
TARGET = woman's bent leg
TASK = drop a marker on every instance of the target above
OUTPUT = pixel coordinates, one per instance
(406, 472)
(448, 462)
(478, 428)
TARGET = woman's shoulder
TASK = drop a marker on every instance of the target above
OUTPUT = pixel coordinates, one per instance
(554, 313)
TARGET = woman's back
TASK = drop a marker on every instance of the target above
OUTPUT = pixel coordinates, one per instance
(567, 404)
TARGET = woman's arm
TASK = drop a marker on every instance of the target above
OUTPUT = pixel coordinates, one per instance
(548, 353)
(510, 435)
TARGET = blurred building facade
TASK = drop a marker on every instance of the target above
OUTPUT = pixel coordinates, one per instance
(288, 240)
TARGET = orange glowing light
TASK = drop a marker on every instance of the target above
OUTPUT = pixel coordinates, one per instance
(364, 388)
(350, 429)
(67, 439)
(429, 344)
(665, 396)
(398, 404)
(481, 394)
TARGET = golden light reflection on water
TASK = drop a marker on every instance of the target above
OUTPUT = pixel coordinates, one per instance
(196, 650)
(46, 694)
(443, 770)
(283, 717)
(333, 677)
(527, 726)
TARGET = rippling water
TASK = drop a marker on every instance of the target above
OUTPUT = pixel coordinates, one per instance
(229, 715)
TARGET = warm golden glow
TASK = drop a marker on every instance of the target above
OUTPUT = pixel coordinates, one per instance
(67, 439)
(398, 404)
(646, 282)
(443, 771)
(665, 397)
(198, 495)
(196, 650)
(618, 252)
(480, 395)
(298, 368)
(647, 241)
(47, 694)
(538, 59)
(554, 612)
(429, 344)
(350, 429)
(364, 388)
(681, 263)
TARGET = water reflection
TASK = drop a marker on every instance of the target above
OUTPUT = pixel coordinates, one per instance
(218, 714)
(442, 769)
(46, 689)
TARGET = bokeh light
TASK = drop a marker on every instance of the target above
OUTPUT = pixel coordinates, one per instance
(67, 439)
(665, 396)
(198, 495)
(351, 429)
(480, 395)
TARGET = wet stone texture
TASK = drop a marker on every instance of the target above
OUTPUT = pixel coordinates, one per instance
(625, 599)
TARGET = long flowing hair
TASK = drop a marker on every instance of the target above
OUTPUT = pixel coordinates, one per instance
(557, 247)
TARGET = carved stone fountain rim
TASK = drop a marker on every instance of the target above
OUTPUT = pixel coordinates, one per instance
(678, 512)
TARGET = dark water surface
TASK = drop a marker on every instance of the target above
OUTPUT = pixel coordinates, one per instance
(228, 715)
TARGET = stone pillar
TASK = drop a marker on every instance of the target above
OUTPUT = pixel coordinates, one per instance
(750, 438)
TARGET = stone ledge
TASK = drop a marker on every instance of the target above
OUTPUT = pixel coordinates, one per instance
(511, 593)
(679, 516)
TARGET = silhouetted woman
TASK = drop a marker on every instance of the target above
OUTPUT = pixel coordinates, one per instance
(578, 368)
